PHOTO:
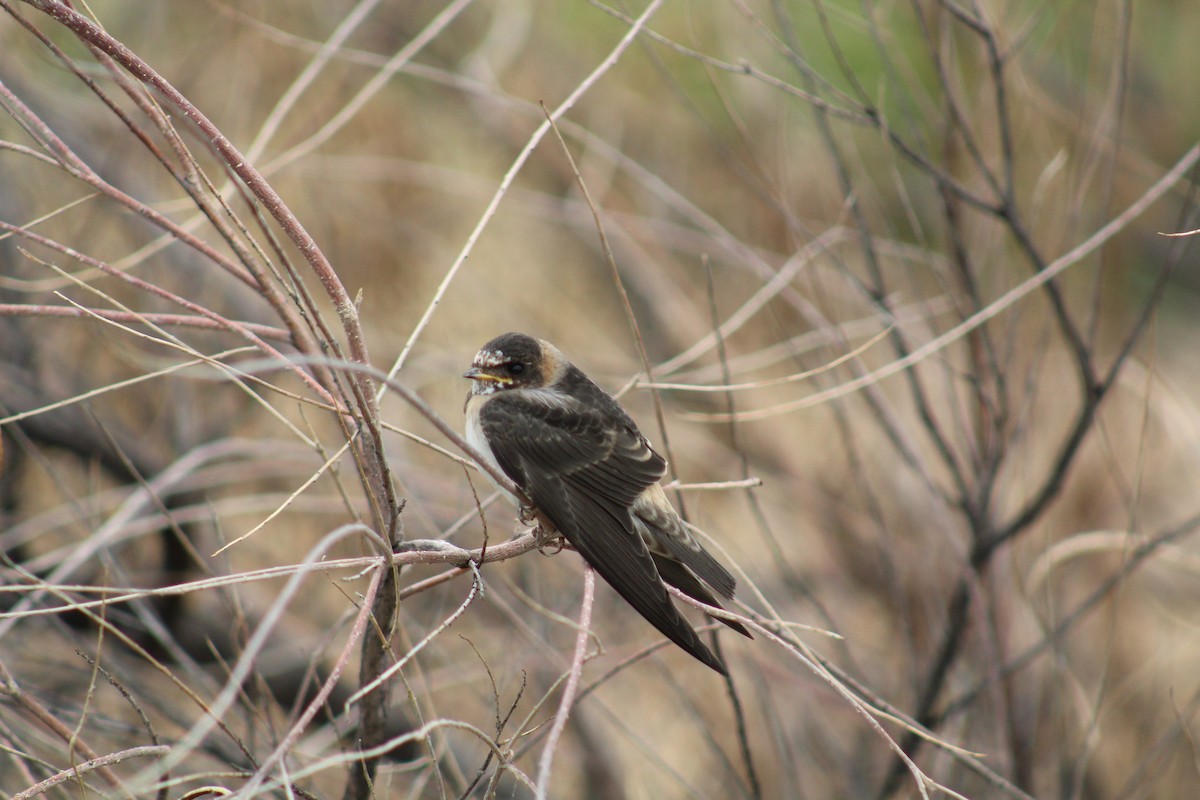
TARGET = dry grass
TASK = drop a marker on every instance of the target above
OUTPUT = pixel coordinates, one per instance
(902, 264)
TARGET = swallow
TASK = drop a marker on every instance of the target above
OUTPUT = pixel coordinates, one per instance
(581, 460)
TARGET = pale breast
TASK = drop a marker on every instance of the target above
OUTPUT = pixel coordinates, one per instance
(475, 438)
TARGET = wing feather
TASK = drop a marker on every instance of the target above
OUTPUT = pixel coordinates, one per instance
(670, 537)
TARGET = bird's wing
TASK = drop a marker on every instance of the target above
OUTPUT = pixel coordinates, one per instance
(583, 469)
(670, 537)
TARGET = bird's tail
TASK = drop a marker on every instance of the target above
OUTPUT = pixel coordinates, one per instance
(682, 579)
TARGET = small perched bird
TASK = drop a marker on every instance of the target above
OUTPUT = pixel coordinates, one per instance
(579, 457)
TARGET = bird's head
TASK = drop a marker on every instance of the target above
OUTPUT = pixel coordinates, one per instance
(514, 361)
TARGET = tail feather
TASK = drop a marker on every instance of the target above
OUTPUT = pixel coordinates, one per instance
(682, 579)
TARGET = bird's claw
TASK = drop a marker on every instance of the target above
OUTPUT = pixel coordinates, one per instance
(549, 541)
(527, 514)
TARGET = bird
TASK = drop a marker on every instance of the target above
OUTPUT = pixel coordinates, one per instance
(579, 457)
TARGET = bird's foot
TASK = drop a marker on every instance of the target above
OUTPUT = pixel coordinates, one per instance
(547, 538)
(549, 541)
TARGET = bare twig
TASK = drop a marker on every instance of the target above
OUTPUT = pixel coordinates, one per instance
(572, 685)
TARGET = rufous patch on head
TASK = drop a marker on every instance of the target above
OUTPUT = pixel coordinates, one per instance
(554, 363)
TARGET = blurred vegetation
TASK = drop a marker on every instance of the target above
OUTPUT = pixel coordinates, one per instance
(1000, 534)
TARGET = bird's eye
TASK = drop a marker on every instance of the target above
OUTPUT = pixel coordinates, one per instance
(515, 368)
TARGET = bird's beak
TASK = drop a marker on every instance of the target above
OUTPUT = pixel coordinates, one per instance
(478, 374)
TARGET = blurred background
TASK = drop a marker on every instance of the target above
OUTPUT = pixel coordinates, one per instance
(859, 243)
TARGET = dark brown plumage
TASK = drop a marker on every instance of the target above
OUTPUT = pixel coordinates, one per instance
(576, 453)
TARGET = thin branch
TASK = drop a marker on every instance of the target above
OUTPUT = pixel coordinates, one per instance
(572, 685)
